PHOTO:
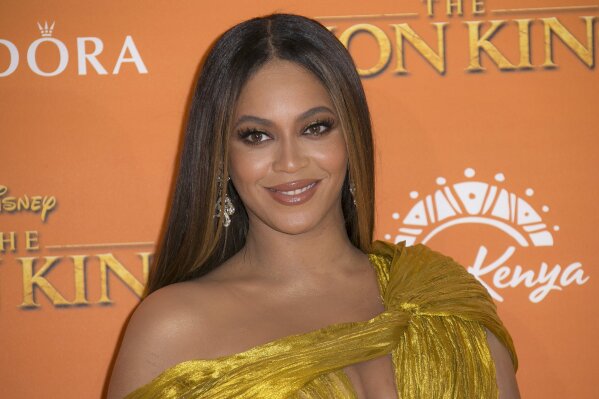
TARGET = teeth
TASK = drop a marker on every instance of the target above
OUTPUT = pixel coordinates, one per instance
(299, 190)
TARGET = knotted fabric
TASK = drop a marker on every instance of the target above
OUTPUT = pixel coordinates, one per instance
(433, 327)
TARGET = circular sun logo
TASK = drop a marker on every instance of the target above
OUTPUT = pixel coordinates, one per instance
(474, 202)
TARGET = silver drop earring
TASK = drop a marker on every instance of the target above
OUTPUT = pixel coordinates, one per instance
(229, 208)
(352, 190)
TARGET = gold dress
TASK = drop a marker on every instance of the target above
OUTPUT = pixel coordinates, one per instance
(433, 326)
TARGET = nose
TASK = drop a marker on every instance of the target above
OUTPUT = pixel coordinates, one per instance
(290, 156)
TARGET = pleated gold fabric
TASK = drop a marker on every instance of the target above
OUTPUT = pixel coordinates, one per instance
(433, 326)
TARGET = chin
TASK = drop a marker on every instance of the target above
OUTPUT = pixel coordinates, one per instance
(296, 220)
(294, 226)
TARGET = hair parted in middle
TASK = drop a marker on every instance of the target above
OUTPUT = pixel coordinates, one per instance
(194, 241)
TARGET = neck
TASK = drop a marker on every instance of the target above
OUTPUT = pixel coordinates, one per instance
(320, 251)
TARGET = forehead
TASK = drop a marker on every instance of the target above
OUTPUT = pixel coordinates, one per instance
(281, 88)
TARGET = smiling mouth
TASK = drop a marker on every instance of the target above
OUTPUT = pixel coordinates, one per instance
(294, 193)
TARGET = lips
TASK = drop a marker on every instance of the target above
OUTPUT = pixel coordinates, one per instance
(295, 192)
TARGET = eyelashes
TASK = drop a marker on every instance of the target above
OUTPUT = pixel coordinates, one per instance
(319, 127)
(255, 136)
(252, 136)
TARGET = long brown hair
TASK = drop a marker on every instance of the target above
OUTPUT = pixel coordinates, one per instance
(194, 241)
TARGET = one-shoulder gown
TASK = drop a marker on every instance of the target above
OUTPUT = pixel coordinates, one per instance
(433, 325)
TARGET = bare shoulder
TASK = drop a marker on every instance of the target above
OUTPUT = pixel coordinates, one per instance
(504, 369)
(173, 324)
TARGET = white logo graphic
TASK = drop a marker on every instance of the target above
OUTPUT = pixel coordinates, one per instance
(478, 202)
(44, 30)
(88, 49)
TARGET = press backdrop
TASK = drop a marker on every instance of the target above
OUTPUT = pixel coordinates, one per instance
(485, 118)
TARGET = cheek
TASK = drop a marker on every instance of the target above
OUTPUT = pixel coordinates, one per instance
(246, 166)
(332, 154)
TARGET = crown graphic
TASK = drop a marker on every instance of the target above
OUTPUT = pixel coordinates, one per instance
(474, 202)
(45, 30)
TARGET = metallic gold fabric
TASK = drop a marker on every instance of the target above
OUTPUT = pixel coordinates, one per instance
(432, 326)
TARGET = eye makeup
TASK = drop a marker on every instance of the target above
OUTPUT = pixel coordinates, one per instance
(324, 125)
(256, 136)
(250, 134)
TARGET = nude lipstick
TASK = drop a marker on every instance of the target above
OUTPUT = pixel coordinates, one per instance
(295, 192)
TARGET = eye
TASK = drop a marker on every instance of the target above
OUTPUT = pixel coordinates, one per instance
(253, 136)
(319, 128)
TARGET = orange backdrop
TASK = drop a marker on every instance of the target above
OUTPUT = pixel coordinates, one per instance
(485, 122)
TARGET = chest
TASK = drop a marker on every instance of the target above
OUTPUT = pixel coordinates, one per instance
(373, 379)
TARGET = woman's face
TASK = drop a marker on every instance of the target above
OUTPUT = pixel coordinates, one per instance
(287, 152)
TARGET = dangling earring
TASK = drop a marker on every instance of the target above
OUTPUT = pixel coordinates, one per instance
(352, 190)
(229, 208)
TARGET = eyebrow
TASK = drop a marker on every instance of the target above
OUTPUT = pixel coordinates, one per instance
(266, 122)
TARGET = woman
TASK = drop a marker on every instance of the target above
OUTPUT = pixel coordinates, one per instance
(281, 292)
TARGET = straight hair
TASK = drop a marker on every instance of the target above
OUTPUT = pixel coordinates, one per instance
(194, 241)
